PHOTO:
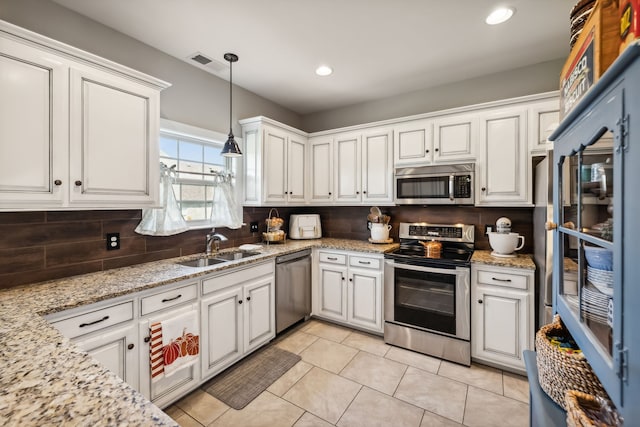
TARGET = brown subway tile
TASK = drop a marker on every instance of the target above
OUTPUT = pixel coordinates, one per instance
(126, 228)
(126, 261)
(94, 215)
(21, 259)
(73, 253)
(21, 217)
(45, 234)
(25, 277)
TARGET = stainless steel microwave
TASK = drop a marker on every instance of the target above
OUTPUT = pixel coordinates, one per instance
(435, 185)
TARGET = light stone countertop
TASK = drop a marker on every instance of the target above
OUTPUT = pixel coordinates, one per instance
(520, 261)
(46, 380)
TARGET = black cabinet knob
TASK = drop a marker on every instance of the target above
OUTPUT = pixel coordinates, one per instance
(427, 151)
(130, 346)
(248, 298)
(239, 301)
(437, 150)
(479, 301)
(78, 183)
(57, 182)
(484, 189)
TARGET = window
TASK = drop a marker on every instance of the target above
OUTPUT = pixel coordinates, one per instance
(196, 154)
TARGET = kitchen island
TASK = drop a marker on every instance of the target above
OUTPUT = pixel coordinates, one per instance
(46, 379)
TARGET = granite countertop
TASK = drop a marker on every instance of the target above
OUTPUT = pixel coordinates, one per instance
(47, 380)
(519, 261)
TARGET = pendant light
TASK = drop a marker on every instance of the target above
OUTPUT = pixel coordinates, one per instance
(231, 148)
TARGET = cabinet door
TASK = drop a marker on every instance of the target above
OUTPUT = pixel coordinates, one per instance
(221, 339)
(544, 118)
(347, 168)
(259, 313)
(275, 165)
(332, 292)
(251, 161)
(116, 349)
(503, 163)
(365, 299)
(412, 143)
(455, 138)
(501, 325)
(296, 176)
(33, 126)
(113, 140)
(321, 165)
(377, 172)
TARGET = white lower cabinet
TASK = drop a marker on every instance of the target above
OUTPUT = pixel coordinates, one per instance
(237, 315)
(348, 289)
(502, 315)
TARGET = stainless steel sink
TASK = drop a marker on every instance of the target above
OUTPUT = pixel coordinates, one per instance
(232, 256)
(218, 259)
(202, 262)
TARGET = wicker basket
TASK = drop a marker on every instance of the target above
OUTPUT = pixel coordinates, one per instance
(585, 410)
(559, 371)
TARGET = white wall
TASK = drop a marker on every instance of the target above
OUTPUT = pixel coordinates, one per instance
(195, 97)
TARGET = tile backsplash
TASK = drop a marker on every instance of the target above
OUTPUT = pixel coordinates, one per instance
(39, 246)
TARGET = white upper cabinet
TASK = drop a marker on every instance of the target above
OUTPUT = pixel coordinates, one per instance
(455, 138)
(348, 161)
(544, 118)
(275, 163)
(503, 172)
(321, 169)
(76, 131)
(413, 141)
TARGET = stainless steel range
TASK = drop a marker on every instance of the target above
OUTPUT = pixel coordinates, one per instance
(427, 305)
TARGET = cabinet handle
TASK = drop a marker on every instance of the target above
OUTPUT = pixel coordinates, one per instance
(479, 301)
(331, 258)
(172, 299)
(357, 192)
(437, 150)
(364, 262)
(78, 183)
(239, 301)
(248, 298)
(57, 182)
(130, 346)
(500, 280)
(82, 325)
(364, 192)
(351, 279)
(147, 339)
(329, 192)
(426, 151)
(484, 189)
(343, 278)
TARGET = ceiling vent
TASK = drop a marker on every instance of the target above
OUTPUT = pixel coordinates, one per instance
(206, 62)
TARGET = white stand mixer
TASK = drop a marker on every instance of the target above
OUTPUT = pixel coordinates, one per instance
(503, 242)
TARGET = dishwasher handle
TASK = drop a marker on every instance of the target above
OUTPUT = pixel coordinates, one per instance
(293, 256)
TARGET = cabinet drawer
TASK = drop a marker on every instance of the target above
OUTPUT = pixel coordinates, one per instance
(333, 258)
(167, 299)
(242, 275)
(510, 280)
(364, 262)
(95, 320)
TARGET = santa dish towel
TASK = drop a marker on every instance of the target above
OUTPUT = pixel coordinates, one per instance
(180, 343)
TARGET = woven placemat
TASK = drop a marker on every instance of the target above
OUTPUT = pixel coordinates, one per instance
(243, 382)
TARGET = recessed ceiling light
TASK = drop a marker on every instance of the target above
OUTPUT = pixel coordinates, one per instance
(500, 15)
(324, 70)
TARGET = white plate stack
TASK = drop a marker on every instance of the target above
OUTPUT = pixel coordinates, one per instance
(601, 279)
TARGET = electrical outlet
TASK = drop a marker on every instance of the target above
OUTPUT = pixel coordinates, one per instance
(253, 226)
(488, 228)
(113, 241)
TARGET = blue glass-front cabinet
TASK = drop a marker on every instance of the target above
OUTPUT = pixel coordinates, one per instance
(597, 159)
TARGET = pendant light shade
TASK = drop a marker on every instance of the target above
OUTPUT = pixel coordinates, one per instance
(231, 148)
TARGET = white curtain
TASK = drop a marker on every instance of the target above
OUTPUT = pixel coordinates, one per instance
(167, 219)
(225, 211)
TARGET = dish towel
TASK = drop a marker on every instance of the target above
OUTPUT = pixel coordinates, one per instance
(175, 344)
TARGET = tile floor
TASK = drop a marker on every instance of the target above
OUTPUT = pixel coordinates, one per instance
(349, 378)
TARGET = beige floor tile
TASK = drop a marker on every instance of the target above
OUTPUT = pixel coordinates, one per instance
(324, 394)
(374, 371)
(327, 331)
(371, 408)
(516, 387)
(266, 410)
(310, 420)
(476, 375)
(369, 343)
(489, 409)
(181, 417)
(434, 393)
(429, 419)
(296, 342)
(202, 406)
(328, 355)
(412, 358)
(289, 378)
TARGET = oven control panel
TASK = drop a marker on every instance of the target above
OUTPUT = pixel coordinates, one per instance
(452, 233)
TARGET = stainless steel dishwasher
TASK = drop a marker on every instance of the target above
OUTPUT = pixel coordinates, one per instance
(293, 288)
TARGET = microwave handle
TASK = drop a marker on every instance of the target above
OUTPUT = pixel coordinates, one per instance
(451, 195)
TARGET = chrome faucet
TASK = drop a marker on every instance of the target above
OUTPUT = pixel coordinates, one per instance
(215, 239)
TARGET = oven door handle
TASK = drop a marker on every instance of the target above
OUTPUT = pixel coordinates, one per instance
(403, 266)
(451, 195)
